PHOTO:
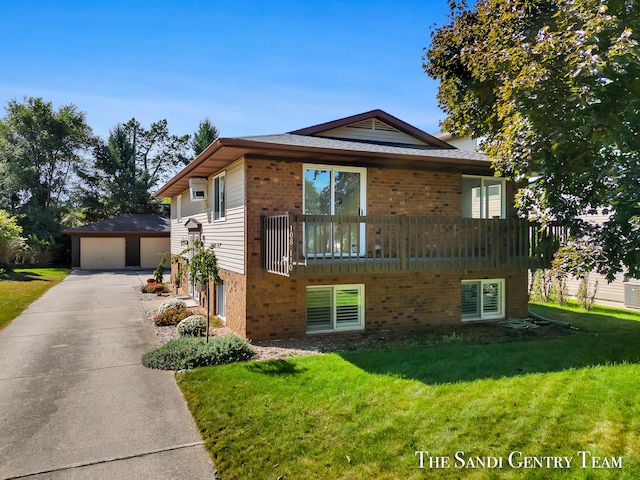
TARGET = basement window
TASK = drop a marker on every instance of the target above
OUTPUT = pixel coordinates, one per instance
(333, 308)
(482, 299)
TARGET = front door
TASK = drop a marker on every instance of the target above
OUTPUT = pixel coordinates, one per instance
(339, 191)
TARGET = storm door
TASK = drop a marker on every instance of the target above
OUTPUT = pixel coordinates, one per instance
(340, 192)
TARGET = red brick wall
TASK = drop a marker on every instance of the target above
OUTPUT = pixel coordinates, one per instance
(406, 192)
(236, 305)
(275, 305)
(393, 301)
(184, 285)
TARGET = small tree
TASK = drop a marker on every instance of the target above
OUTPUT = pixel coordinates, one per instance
(158, 273)
(203, 269)
(10, 239)
(579, 258)
(177, 279)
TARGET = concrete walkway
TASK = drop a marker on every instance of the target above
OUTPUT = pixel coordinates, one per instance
(75, 400)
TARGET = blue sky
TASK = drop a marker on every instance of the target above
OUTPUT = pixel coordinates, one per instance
(253, 68)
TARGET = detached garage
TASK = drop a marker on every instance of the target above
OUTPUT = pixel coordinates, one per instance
(125, 242)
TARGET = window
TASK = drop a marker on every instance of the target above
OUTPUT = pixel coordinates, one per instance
(219, 197)
(332, 190)
(483, 197)
(334, 308)
(220, 300)
(482, 299)
(179, 208)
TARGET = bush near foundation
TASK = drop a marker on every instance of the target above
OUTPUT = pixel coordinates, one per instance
(171, 303)
(187, 353)
(172, 316)
(153, 287)
(193, 326)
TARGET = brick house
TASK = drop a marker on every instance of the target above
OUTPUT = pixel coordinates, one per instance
(360, 224)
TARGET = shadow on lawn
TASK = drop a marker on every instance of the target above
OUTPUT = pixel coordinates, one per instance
(600, 340)
(275, 367)
(23, 277)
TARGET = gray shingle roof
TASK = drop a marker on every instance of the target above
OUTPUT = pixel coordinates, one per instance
(127, 223)
(358, 146)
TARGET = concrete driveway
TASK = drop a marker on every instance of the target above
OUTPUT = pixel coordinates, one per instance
(75, 400)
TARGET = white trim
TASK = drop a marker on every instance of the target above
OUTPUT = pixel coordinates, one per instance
(335, 290)
(219, 202)
(179, 208)
(362, 171)
(501, 300)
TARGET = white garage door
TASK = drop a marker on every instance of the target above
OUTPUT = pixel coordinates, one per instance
(102, 253)
(151, 250)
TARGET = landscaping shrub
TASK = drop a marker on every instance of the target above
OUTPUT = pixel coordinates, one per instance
(153, 287)
(171, 303)
(187, 353)
(193, 326)
(172, 316)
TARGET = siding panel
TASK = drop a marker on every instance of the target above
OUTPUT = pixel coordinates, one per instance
(229, 233)
(388, 135)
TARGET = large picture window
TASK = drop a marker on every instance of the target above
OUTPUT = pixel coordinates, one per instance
(334, 308)
(482, 299)
(483, 197)
(340, 191)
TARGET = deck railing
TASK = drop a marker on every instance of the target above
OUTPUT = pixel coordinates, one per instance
(296, 244)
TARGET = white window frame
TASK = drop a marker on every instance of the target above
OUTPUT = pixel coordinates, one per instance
(335, 289)
(501, 300)
(219, 198)
(338, 168)
(483, 204)
(362, 171)
(179, 208)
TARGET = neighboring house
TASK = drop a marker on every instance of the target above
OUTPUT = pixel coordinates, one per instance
(623, 291)
(459, 141)
(363, 223)
(128, 241)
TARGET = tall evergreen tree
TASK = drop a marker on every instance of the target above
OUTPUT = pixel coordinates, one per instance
(127, 168)
(206, 134)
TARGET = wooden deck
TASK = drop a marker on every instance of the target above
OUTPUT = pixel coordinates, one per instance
(314, 244)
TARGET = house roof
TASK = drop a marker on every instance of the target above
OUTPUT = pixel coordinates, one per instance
(313, 145)
(126, 224)
(379, 115)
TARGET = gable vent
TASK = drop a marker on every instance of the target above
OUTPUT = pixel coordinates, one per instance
(373, 124)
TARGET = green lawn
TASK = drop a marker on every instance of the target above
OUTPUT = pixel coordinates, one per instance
(364, 414)
(25, 286)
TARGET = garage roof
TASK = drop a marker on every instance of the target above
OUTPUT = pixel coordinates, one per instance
(139, 224)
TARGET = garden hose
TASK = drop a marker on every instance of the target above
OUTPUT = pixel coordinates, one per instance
(518, 323)
(559, 323)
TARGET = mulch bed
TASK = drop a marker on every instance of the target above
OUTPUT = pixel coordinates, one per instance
(431, 335)
(473, 332)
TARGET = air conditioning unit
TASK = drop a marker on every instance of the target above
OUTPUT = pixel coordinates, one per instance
(198, 189)
(632, 295)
